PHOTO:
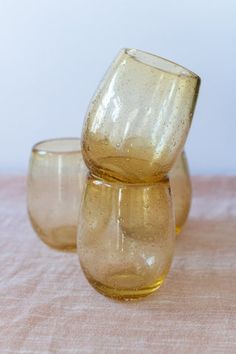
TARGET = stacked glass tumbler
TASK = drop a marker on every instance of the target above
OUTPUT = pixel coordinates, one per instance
(134, 134)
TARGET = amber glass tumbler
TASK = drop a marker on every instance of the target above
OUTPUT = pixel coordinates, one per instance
(138, 120)
(126, 236)
(181, 188)
(55, 181)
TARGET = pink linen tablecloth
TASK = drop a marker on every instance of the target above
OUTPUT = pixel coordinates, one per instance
(46, 305)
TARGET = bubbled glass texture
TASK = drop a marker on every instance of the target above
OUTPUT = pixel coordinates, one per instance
(55, 181)
(126, 236)
(138, 120)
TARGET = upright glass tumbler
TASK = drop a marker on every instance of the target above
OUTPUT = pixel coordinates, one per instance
(55, 181)
(138, 120)
(181, 188)
(126, 236)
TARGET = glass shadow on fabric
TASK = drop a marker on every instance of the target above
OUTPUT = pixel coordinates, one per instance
(139, 118)
(55, 181)
(126, 236)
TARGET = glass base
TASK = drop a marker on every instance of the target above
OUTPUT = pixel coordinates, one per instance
(61, 238)
(178, 230)
(124, 293)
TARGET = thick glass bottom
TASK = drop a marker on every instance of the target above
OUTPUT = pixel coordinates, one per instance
(178, 230)
(125, 291)
(62, 238)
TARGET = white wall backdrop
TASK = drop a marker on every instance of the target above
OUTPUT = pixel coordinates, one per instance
(54, 52)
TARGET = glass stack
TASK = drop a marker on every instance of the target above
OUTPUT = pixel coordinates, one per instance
(133, 139)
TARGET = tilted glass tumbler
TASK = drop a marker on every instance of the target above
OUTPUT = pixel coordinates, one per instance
(181, 188)
(55, 181)
(126, 236)
(139, 118)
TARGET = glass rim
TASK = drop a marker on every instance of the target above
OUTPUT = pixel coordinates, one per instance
(146, 58)
(121, 184)
(40, 148)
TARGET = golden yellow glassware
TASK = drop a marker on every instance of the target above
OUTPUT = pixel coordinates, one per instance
(139, 118)
(181, 188)
(126, 236)
(55, 181)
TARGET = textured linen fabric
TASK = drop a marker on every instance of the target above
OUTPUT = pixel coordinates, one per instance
(47, 306)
